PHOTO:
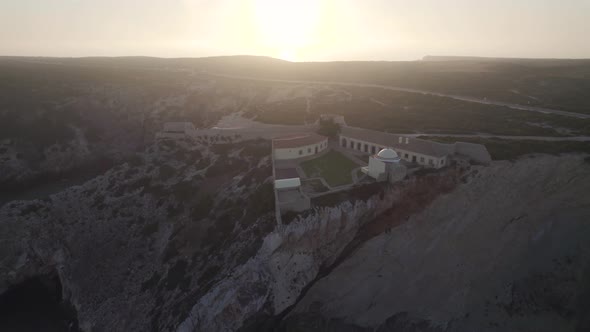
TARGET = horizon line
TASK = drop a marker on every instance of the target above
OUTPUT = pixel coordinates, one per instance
(423, 58)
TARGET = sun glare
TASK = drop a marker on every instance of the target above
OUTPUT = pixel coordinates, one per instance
(287, 26)
(288, 55)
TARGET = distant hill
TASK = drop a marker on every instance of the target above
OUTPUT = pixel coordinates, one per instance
(548, 62)
(552, 83)
(482, 58)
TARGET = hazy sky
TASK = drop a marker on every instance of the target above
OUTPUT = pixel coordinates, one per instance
(302, 30)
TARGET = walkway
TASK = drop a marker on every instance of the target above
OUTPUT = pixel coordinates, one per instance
(333, 145)
(424, 92)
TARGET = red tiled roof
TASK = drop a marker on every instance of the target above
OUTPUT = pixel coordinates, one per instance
(295, 141)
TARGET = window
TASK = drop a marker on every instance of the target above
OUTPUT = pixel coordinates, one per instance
(442, 161)
(431, 162)
(366, 148)
(351, 144)
(308, 150)
(406, 155)
(358, 146)
(421, 159)
(300, 152)
(373, 149)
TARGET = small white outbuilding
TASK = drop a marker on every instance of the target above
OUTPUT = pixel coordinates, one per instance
(287, 183)
(384, 166)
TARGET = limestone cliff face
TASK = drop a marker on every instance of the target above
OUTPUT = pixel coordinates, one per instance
(506, 251)
(292, 256)
(177, 239)
(288, 260)
(180, 237)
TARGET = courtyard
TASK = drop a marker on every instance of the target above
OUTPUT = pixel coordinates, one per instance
(333, 166)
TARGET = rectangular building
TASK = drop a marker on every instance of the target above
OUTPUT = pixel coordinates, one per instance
(419, 151)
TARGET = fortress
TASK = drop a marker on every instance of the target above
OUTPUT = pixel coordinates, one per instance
(303, 163)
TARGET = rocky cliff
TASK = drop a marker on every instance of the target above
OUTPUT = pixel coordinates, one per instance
(183, 237)
(507, 250)
(296, 254)
(136, 247)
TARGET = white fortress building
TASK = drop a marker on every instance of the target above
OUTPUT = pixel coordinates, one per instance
(385, 166)
(298, 146)
(412, 150)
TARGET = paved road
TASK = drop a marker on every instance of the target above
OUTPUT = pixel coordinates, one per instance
(269, 131)
(535, 138)
(425, 92)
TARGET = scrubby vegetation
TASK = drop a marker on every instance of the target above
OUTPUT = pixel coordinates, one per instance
(206, 229)
(329, 128)
(552, 83)
(410, 112)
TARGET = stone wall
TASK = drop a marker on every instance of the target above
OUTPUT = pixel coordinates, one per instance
(476, 152)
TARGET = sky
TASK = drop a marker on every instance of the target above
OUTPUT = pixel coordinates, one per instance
(300, 30)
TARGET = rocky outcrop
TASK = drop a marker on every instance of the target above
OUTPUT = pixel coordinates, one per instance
(134, 249)
(293, 256)
(506, 251)
(181, 238)
(289, 259)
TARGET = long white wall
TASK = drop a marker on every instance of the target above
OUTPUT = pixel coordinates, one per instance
(410, 156)
(300, 152)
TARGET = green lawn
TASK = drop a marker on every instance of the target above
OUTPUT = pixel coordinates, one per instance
(334, 167)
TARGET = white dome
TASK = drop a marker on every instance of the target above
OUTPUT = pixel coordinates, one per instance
(387, 155)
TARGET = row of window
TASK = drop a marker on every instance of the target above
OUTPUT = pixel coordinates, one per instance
(317, 148)
(431, 161)
(362, 147)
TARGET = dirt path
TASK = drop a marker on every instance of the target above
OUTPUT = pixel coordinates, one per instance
(534, 138)
(425, 92)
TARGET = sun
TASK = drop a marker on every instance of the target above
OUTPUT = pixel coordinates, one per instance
(288, 55)
(287, 26)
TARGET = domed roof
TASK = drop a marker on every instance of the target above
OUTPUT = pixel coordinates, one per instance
(388, 155)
